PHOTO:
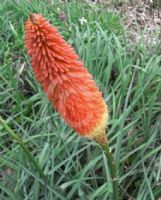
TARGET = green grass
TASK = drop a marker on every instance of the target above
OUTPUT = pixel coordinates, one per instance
(129, 74)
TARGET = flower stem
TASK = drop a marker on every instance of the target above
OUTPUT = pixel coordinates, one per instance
(21, 143)
(112, 168)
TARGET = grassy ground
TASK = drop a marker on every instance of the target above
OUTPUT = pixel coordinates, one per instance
(128, 73)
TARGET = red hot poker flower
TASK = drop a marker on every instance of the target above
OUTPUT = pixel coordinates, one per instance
(64, 78)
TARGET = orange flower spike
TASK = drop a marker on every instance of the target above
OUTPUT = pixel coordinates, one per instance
(67, 83)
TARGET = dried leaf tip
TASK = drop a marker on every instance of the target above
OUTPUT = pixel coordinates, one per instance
(34, 18)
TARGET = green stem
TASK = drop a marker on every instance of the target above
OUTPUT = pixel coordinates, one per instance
(21, 143)
(112, 168)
